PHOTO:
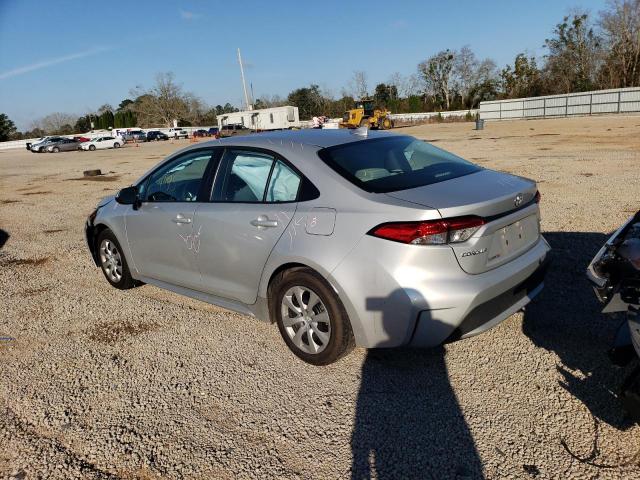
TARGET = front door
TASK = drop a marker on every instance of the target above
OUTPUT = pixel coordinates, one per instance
(254, 201)
(160, 232)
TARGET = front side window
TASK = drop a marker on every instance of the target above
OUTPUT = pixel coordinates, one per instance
(394, 163)
(179, 180)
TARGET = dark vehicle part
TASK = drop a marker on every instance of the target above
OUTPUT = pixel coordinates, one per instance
(615, 274)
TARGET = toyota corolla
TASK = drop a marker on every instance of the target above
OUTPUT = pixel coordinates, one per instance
(341, 237)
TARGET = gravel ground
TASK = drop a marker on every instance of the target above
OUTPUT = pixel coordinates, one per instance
(99, 383)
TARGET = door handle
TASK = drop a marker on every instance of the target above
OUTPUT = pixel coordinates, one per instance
(263, 222)
(181, 219)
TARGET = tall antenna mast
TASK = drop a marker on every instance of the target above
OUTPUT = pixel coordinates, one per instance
(244, 84)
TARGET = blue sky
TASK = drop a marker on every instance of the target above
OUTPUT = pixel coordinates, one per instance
(72, 56)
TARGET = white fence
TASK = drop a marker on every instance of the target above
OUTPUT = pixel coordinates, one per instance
(621, 100)
(419, 117)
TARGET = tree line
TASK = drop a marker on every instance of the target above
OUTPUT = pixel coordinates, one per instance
(584, 52)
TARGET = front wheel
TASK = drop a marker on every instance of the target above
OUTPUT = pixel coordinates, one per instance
(112, 261)
(55, 149)
(92, 147)
(116, 145)
(311, 317)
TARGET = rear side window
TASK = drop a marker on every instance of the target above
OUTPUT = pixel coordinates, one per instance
(249, 176)
(283, 184)
(244, 176)
(394, 163)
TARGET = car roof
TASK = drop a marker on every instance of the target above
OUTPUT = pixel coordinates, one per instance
(321, 138)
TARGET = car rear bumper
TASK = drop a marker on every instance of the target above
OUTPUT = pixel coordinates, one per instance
(422, 298)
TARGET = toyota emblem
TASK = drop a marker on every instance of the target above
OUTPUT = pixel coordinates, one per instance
(518, 200)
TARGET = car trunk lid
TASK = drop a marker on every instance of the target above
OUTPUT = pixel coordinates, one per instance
(507, 204)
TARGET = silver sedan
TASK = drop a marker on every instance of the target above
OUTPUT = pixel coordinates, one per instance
(340, 237)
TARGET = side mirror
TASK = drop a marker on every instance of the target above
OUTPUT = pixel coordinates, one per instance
(127, 196)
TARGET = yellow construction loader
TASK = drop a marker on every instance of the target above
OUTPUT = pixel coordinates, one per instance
(365, 114)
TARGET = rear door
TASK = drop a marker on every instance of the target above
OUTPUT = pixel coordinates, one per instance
(254, 199)
(160, 231)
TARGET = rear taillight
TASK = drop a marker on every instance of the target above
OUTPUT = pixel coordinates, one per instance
(429, 232)
(537, 196)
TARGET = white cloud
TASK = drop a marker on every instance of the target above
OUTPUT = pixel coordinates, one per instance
(187, 15)
(50, 62)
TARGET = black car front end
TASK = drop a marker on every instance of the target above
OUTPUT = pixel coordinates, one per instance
(615, 275)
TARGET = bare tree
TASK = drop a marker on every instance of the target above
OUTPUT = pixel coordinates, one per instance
(465, 69)
(164, 102)
(437, 74)
(359, 85)
(405, 85)
(620, 25)
(55, 123)
(412, 85)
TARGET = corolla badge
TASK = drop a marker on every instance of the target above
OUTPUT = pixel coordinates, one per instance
(518, 200)
(474, 252)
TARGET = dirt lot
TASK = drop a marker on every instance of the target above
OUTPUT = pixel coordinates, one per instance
(99, 383)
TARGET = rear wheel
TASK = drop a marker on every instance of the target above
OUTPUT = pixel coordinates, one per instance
(55, 149)
(310, 317)
(112, 261)
(116, 145)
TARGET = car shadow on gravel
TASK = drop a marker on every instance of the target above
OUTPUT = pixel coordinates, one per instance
(566, 319)
(408, 423)
(4, 236)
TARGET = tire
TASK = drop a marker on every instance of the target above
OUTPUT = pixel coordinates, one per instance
(116, 145)
(55, 150)
(41, 150)
(331, 336)
(112, 261)
(92, 148)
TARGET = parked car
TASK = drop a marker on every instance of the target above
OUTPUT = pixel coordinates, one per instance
(82, 139)
(201, 133)
(341, 239)
(156, 135)
(136, 136)
(39, 140)
(178, 133)
(615, 275)
(101, 143)
(64, 145)
(41, 147)
(213, 131)
(232, 130)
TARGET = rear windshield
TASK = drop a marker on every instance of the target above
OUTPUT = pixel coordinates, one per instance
(394, 163)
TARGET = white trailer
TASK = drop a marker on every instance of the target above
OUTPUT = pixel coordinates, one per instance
(277, 118)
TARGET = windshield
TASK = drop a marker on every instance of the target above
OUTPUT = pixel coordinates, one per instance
(394, 163)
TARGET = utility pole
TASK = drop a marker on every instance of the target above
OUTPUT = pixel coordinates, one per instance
(244, 84)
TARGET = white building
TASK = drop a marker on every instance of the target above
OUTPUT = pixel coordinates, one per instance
(277, 118)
